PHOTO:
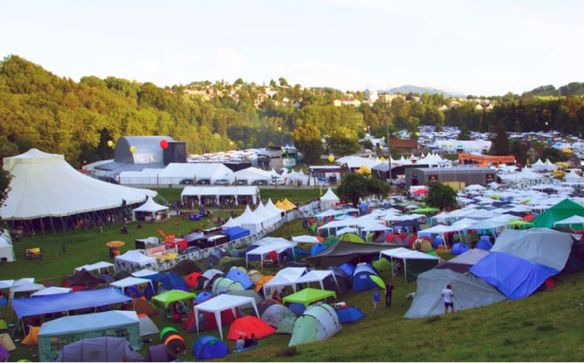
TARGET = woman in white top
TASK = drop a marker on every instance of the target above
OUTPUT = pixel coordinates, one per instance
(447, 294)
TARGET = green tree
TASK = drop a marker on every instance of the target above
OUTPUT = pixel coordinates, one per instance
(464, 133)
(441, 196)
(518, 150)
(343, 141)
(283, 82)
(500, 142)
(308, 141)
(5, 178)
(355, 186)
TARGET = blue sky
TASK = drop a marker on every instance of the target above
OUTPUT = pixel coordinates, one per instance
(477, 47)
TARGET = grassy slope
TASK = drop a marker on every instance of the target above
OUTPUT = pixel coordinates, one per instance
(544, 327)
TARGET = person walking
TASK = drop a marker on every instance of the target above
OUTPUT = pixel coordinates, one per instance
(388, 291)
(447, 294)
(64, 247)
(376, 294)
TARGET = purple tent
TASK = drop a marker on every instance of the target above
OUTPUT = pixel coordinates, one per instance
(105, 349)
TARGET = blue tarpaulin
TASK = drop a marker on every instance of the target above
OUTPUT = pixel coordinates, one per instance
(236, 232)
(515, 277)
(48, 304)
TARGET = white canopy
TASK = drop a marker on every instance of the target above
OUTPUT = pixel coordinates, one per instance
(45, 185)
(329, 196)
(144, 272)
(6, 249)
(286, 277)
(24, 285)
(316, 276)
(346, 230)
(571, 220)
(6, 284)
(136, 258)
(131, 281)
(405, 254)
(278, 246)
(53, 290)
(150, 206)
(305, 239)
(220, 303)
(95, 266)
(487, 224)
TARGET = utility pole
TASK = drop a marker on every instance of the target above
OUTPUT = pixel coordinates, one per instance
(388, 147)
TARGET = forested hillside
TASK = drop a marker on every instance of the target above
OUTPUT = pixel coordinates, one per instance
(59, 115)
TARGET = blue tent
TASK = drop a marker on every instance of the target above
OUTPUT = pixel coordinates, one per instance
(236, 232)
(203, 296)
(361, 280)
(484, 244)
(170, 280)
(350, 314)
(515, 277)
(363, 208)
(437, 242)
(317, 248)
(297, 308)
(48, 304)
(460, 248)
(239, 276)
(209, 347)
(347, 268)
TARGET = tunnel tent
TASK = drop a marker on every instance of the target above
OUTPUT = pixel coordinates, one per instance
(104, 349)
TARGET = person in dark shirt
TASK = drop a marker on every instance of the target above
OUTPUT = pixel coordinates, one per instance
(388, 291)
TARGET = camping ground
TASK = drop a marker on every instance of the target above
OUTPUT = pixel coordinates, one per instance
(542, 327)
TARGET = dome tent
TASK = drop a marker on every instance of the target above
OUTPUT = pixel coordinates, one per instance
(318, 322)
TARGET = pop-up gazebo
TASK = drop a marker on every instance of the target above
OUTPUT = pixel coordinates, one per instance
(223, 302)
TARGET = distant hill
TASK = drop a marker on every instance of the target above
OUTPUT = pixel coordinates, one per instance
(571, 89)
(420, 90)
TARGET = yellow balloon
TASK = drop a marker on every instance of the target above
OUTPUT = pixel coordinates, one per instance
(380, 147)
(132, 149)
(110, 143)
(417, 134)
(331, 158)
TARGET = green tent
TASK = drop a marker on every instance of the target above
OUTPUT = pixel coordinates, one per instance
(424, 210)
(558, 212)
(168, 297)
(308, 296)
(381, 265)
(519, 223)
(331, 241)
(351, 237)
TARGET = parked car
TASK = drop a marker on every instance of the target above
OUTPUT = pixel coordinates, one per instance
(259, 182)
(222, 182)
(186, 182)
(203, 182)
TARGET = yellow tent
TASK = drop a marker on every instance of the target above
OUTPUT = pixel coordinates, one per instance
(32, 337)
(7, 342)
(288, 204)
(363, 170)
(280, 205)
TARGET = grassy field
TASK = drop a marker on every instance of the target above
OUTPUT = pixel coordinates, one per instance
(543, 327)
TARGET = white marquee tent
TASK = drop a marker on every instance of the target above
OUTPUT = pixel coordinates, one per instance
(45, 185)
(220, 303)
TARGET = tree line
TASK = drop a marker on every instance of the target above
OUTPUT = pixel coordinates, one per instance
(77, 119)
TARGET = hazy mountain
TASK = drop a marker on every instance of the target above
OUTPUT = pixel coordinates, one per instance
(420, 90)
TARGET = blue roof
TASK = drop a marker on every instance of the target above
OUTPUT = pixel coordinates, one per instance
(32, 306)
(515, 277)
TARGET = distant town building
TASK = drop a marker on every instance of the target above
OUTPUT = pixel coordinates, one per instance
(467, 175)
(371, 95)
(277, 157)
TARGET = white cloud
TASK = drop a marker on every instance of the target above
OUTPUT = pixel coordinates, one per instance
(183, 60)
(228, 56)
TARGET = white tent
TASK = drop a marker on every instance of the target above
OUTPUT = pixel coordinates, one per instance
(95, 266)
(262, 251)
(131, 281)
(286, 277)
(316, 276)
(144, 272)
(252, 174)
(45, 185)
(305, 239)
(134, 257)
(220, 303)
(150, 211)
(6, 250)
(571, 220)
(147, 326)
(405, 254)
(6, 284)
(52, 290)
(247, 220)
(24, 285)
(346, 230)
(328, 200)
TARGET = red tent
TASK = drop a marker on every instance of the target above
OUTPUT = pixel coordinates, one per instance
(192, 278)
(528, 217)
(247, 325)
(420, 191)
